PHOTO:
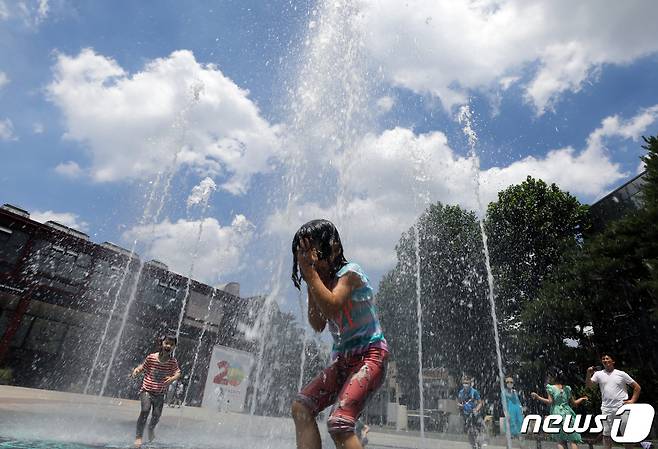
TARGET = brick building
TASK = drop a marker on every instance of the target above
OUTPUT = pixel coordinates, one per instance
(60, 293)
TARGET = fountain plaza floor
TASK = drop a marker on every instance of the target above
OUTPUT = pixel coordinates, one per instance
(69, 420)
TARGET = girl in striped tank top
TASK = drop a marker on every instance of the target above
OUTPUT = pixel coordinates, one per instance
(340, 297)
(160, 370)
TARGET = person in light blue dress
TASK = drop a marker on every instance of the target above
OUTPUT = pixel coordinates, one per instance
(514, 410)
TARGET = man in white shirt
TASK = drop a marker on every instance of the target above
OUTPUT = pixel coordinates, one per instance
(614, 393)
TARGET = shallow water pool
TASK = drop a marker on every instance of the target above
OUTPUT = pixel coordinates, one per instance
(34, 444)
(16, 444)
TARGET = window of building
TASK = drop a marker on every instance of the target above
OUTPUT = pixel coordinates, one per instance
(45, 335)
(23, 328)
(11, 245)
(80, 342)
(5, 234)
(105, 277)
(199, 307)
(58, 260)
(161, 293)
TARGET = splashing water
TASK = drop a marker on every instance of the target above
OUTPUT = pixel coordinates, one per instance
(328, 115)
(302, 361)
(465, 119)
(180, 126)
(264, 324)
(198, 346)
(152, 199)
(326, 112)
(421, 198)
(419, 313)
(201, 193)
(132, 258)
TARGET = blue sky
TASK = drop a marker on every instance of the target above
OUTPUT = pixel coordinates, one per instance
(353, 105)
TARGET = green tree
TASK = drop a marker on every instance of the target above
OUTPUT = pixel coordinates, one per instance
(531, 227)
(457, 329)
(605, 296)
(649, 216)
(282, 357)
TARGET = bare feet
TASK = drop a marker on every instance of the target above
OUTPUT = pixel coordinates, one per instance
(138, 442)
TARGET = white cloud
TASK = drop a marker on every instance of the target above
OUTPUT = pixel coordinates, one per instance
(30, 12)
(369, 230)
(4, 10)
(7, 130)
(33, 12)
(448, 49)
(633, 128)
(4, 79)
(395, 174)
(640, 168)
(66, 218)
(586, 174)
(38, 128)
(404, 166)
(219, 251)
(175, 109)
(69, 169)
(507, 81)
(42, 9)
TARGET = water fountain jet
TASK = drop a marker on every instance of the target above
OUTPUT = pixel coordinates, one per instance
(465, 119)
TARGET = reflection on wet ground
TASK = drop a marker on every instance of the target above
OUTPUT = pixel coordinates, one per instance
(43, 419)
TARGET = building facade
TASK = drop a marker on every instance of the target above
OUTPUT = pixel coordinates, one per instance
(616, 204)
(69, 306)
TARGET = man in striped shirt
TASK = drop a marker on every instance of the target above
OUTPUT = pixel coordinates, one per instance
(160, 370)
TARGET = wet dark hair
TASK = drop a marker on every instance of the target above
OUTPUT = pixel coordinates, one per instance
(325, 235)
(169, 337)
(556, 375)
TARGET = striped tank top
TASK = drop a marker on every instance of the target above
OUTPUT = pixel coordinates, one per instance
(155, 373)
(356, 327)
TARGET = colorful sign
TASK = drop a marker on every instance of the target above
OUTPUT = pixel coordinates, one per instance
(228, 375)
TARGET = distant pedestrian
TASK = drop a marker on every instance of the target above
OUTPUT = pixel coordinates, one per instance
(560, 399)
(514, 411)
(177, 392)
(470, 404)
(613, 384)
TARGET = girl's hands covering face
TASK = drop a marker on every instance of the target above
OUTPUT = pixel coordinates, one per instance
(307, 257)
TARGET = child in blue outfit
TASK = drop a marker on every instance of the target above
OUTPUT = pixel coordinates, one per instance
(470, 404)
(514, 411)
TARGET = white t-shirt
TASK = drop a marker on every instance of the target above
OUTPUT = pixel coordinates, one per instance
(613, 387)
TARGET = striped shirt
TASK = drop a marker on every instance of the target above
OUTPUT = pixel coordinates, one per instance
(356, 328)
(155, 372)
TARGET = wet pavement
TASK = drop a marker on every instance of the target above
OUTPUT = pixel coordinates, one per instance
(43, 419)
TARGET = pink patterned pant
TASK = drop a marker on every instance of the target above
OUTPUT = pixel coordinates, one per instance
(347, 384)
